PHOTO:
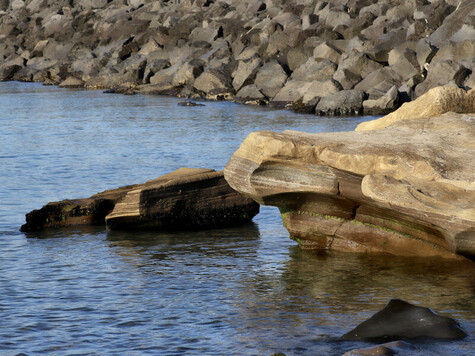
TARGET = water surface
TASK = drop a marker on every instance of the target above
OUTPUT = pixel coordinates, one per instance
(242, 291)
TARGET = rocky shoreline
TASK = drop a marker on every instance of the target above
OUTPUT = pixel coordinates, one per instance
(335, 57)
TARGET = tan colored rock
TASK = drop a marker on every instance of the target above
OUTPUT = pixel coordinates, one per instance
(408, 189)
(184, 199)
(435, 102)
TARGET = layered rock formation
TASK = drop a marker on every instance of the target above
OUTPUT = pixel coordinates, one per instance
(184, 199)
(330, 57)
(407, 189)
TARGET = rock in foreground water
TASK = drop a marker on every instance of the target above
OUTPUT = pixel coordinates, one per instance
(184, 199)
(402, 320)
(408, 189)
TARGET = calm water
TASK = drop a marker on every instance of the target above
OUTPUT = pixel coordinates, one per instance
(241, 291)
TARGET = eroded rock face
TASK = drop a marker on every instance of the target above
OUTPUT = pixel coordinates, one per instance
(408, 189)
(184, 199)
(435, 102)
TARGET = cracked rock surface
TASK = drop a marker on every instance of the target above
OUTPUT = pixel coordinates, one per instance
(407, 189)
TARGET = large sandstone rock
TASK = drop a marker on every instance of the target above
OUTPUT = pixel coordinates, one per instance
(407, 189)
(184, 199)
(435, 102)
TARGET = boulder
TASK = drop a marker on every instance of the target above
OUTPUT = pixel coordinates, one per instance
(384, 75)
(327, 51)
(294, 90)
(320, 90)
(251, 94)
(212, 81)
(402, 320)
(345, 102)
(72, 82)
(314, 70)
(270, 78)
(443, 73)
(435, 102)
(246, 72)
(383, 105)
(388, 349)
(184, 199)
(405, 190)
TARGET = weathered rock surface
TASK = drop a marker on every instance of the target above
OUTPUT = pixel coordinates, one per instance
(184, 199)
(71, 212)
(274, 50)
(435, 102)
(408, 189)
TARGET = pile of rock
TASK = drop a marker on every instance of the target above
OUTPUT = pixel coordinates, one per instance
(333, 57)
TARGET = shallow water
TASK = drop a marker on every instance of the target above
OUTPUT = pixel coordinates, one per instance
(242, 291)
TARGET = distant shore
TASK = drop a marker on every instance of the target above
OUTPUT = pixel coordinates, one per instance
(328, 58)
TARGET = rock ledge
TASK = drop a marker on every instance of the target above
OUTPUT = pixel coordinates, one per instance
(408, 189)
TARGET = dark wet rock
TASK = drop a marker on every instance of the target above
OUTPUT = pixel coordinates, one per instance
(402, 320)
(389, 349)
(184, 199)
(88, 211)
(189, 103)
(187, 198)
(345, 102)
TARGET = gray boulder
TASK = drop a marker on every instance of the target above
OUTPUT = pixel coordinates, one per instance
(270, 78)
(345, 102)
(383, 105)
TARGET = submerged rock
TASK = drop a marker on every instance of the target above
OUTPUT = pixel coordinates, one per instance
(184, 199)
(407, 189)
(389, 348)
(402, 320)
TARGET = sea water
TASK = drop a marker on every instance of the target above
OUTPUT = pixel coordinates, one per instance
(248, 290)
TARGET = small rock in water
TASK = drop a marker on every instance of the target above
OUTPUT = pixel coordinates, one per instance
(402, 320)
(390, 348)
(189, 103)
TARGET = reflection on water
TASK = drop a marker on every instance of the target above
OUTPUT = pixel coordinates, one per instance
(239, 291)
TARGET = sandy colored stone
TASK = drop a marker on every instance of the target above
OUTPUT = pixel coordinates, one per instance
(408, 189)
(435, 102)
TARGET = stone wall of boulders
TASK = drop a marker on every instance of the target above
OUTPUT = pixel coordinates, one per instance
(332, 57)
